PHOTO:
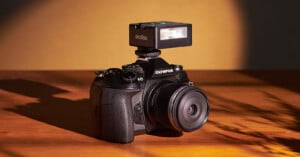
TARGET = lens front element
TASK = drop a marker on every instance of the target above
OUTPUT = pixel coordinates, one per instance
(188, 108)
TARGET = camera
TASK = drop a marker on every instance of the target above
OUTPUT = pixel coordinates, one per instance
(150, 95)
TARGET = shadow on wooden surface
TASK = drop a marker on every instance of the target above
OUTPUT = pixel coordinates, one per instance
(270, 117)
(278, 113)
(60, 112)
(288, 79)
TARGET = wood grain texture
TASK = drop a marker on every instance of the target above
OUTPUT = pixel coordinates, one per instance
(256, 113)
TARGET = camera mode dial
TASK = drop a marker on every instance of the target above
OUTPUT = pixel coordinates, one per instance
(109, 73)
(112, 72)
(132, 73)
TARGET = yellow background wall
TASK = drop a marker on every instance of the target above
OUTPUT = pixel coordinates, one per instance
(93, 34)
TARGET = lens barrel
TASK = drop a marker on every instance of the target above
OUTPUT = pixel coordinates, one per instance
(188, 108)
(177, 107)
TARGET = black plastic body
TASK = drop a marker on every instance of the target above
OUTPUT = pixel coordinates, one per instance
(119, 99)
(148, 35)
(119, 104)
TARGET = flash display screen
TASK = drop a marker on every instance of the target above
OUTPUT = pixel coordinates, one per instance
(173, 33)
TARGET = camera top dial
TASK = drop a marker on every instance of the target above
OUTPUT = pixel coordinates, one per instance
(133, 73)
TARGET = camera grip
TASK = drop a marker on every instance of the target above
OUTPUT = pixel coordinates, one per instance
(113, 114)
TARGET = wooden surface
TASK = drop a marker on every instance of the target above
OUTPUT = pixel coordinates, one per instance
(45, 113)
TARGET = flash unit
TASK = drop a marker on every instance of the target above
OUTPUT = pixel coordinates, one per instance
(158, 35)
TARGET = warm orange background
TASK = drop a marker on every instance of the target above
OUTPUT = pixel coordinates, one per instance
(77, 34)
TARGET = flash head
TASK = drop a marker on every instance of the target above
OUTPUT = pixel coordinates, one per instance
(159, 35)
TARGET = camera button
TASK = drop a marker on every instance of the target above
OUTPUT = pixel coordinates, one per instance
(140, 79)
(191, 83)
(111, 72)
(99, 74)
(129, 77)
(177, 67)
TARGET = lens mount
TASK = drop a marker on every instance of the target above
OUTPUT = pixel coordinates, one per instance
(188, 108)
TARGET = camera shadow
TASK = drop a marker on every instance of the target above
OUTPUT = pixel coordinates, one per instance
(63, 113)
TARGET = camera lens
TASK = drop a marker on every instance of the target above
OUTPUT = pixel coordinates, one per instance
(192, 110)
(177, 107)
(188, 108)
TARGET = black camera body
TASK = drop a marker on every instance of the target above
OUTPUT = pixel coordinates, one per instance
(148, 96)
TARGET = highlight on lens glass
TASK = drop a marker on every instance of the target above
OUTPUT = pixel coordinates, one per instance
(150, 95)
